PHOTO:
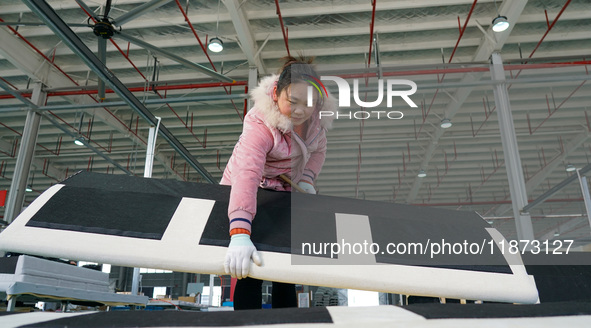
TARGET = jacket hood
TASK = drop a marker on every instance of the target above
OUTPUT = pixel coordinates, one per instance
(262, 96)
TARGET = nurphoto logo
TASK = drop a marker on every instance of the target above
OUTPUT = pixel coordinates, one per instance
(344, 97)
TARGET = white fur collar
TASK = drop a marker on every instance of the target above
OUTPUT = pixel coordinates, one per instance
(262, 96)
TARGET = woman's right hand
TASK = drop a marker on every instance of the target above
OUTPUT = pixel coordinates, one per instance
(307, 187)
(240, 251)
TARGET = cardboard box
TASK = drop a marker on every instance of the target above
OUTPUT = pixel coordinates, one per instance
(190, 299)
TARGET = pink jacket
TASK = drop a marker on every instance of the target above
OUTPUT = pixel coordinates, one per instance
(268, 148)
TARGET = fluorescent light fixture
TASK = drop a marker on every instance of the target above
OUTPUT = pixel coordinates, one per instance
(570, 168)
(500, 24)
(446, 123)
(422, 174)
(215, 45)
(556, 234)
(29, 188)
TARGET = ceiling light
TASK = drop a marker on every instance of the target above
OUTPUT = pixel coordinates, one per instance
(215, 45)
(79, 141)
(29, 188)
(422, 174)
(556, 234)
(446, 123)
(500, 24)
(570, 168)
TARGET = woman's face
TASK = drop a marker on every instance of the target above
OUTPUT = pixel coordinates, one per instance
(293, 102)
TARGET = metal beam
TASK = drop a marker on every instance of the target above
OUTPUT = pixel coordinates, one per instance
(542, 175)
(183, 84)
(511, 9)
(48, 117)
(562, 228)
(585, 191)
(35, 67)
(16, 195)
(555, 189)
(174, 57)
(57, 25)
(319, 9)
(138, 11)
(525, 230)
(39, 69)
(253, 80)
(102, 55)
(167, 84)
(386, 27)
(37, 163)
(171, 100)
(246, 38)
(86, 8)
(484, 51)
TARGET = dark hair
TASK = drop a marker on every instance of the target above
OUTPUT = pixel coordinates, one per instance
(296, 70)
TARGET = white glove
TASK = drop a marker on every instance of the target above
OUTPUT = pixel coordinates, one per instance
(307, 187)
(240, 251)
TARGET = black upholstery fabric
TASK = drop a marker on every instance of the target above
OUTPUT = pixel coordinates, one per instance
(8, 264)
(481, 311)
(272, 228)
(306, 315)
(103, 211)
(190, 318)
(560, 283)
